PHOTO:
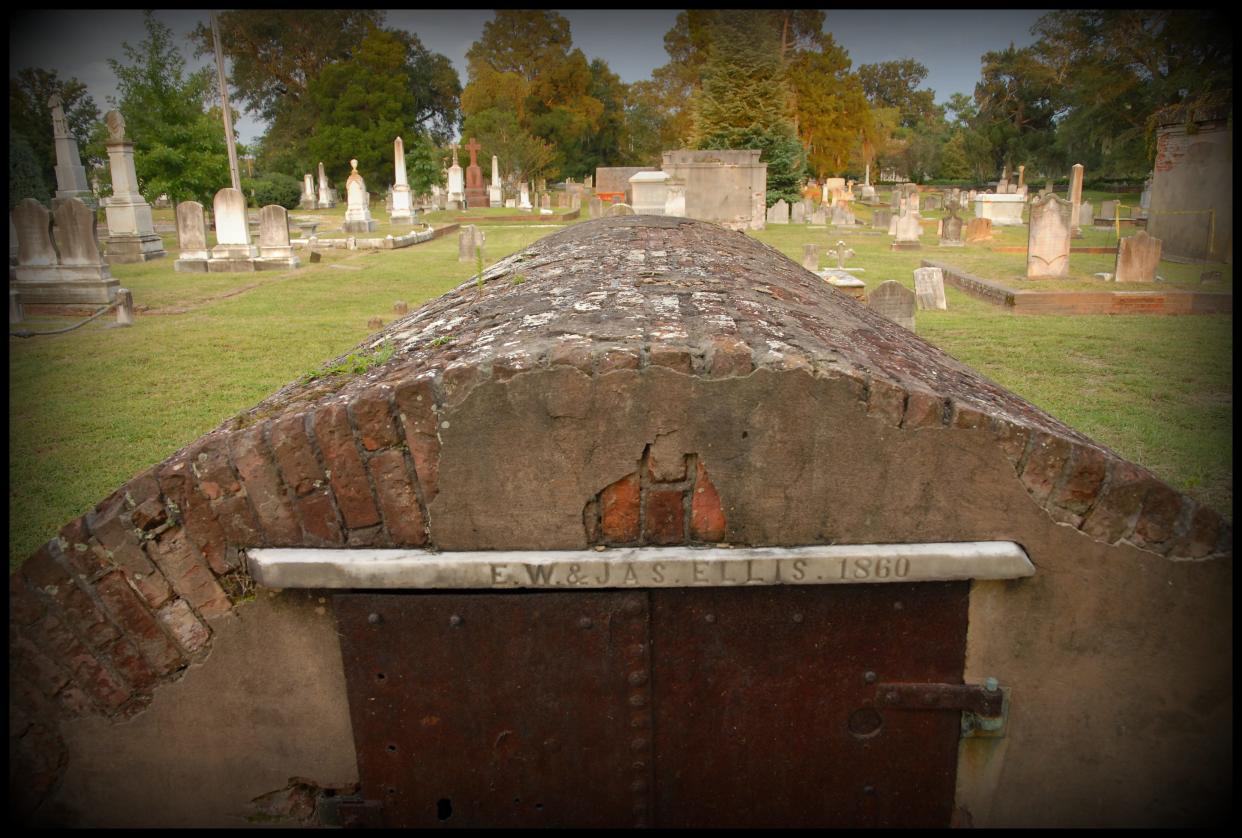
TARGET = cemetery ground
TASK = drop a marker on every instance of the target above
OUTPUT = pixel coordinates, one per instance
(91, 408)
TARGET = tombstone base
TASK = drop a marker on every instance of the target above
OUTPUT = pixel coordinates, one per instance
(277, 263)
(61, 291)
(453, 206)
(905, 246)
(326, 205)
(222, 266)
(477, 199)
(190, 266)
(308, 204)
(944, 243)
(367, 226)
(123, 250)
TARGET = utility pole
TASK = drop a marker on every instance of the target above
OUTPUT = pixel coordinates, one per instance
(224, 104)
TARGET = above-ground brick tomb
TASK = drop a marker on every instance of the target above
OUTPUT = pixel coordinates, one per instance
(627, 381)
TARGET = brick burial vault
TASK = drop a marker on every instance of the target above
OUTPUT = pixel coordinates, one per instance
(629, 387)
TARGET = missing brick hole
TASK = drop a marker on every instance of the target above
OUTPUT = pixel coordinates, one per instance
(238, 586)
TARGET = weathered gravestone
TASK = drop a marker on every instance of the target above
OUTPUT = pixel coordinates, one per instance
(191, 238)
(797, 214)
(70, 174)
(951, 227)
(327, 195)
(616, 209)
(907, 230)
(929, 289)
(1138, 256)
(895, 301)
(1048, 245)
(979, 230)
(308, 200)
(275, 251)
(1108, 212)
(494, 192)
(58, 258)
(675, 202)
(842, 215)
(596, 207)
(524, 197)
(810, 257)
(476, 191)
(233, 250)
(131, 233)
(456, 196)
(820, 215)
(358, 203)
(881, 218)
(1086, 214)
(315, 577)
(402, 210)
(778, 213)
(470, 241)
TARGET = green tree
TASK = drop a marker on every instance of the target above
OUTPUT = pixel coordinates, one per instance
(954, 164)
(1016, 107)
(894, 84)
(830, 110)
(31, 118)
(422, 167)
(25, 174)
(179, 145)
(744, 101)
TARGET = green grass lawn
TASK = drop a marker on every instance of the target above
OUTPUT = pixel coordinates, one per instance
(90, 408)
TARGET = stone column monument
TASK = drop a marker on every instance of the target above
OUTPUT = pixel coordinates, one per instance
(476, 192)
(131, 233)
(456, 185)
(402, 201)
(70, 176)
(309, 202)
(494, 195)
(325, 192)
(1075, 196)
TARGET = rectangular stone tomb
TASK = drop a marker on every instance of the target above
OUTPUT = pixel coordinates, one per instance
(639, 567)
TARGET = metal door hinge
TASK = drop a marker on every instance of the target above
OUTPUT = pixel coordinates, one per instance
(984, 707)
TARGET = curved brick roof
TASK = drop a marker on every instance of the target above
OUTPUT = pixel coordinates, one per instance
(632, 292)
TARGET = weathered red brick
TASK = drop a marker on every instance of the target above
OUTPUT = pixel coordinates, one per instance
(128, 662)
(707, 518)
(729, 357)
(416, 405)
(142, 488)
(665, 517)
(1044, 465)
(263, 487)
(237, 522)
(672, 356)
(346, 474)
(111, 524)
(1117, 508)
(75, 701)
(25, 607)
(576, 354)
(209, 463)
(197, 517)
(1161, 506)
(458, 380)
(139, 624)
(318, 515)
(291, 447)
(85, 555)
(617, 358)
(403, 517)
(619, 510)
(26, 657)
(1201, 536)
(886, 401)
(965, 416)
(1083, 479)
(43, 571)
(373, 421)
(187, 629)
(149, 514)
(923, 410)
(85, 669)
(1011, 437)
(188, 574)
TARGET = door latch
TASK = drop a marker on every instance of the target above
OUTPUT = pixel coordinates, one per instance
(984, 707)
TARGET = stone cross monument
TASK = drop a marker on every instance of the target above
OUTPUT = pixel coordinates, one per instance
(131, 233)
(70, 175)
(476, 192)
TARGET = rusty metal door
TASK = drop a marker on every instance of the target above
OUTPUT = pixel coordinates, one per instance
(670, 707)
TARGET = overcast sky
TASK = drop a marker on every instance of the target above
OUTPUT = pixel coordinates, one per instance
(949, 43)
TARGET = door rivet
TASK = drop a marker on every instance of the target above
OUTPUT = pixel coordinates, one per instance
(455, 621)
(374, 619)
(869, 677)
(711, 618)
(585, 623)
(797, 618)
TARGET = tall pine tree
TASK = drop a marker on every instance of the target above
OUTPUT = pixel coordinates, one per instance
(744, 101)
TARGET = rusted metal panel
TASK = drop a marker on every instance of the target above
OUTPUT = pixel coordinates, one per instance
(500, 709)
(766, 712)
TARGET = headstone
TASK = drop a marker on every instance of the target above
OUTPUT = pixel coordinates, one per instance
(70, 175)
(575, 202)
(1075, 198)
(620, 209)
(402, 211)
(124, 307)
(841, 253)
(932, 202)
(233, 250)
(327, 200)
(596, 207)
(191, 238)
(797, 214)
(524, 201)
(494, 193)
(979, 230)
(465, 243)
(61, 264)
(778, 213)
(511, 203)
(881, 217)
(906, 229)
(810, 257)
(895, 301)
(675, 201)
(1145, 199)
(1086, 214)
(16, 315)
(545, 201)
(929, 289)
(842, 215)
(1138, 256)
(820, 216)
(1108, 211)
(456, 185)
(308, 201)
(357, 207)
(275, 251)
(1048, 245)
(131, 233)
(951, 227)
(476, 192)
